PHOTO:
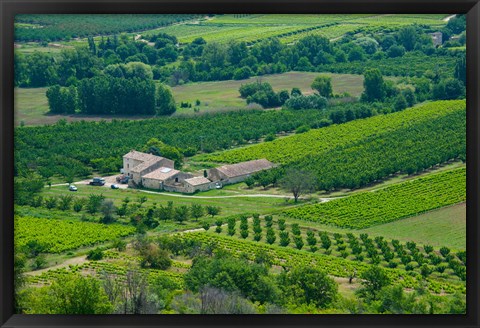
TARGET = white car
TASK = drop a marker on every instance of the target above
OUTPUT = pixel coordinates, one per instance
(72, 188)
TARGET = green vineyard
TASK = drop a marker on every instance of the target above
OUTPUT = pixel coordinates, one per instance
(57, 236)
(389, 204)
(297, 147)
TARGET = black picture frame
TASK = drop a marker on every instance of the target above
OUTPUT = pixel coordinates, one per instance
(9, 8)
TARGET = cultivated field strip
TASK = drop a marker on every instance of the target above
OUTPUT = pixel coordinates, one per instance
(57, 236)
(392, 203)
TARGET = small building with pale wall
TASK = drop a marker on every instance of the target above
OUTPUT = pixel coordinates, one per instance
(195, 184)
(234, 173)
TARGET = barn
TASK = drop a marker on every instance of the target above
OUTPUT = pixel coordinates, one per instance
(238, 172)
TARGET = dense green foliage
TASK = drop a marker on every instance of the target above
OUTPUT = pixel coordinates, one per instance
(69, 295)
(263, 94)
(57, 236)
(230, 274)
(391, 203)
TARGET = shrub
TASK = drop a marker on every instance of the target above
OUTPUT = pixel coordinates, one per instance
(95, 254)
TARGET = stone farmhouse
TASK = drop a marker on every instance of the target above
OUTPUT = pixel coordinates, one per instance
(156, 172)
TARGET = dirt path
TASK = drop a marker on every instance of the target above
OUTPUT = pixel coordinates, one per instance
(73, 261)
(446, 19)
(231, 196)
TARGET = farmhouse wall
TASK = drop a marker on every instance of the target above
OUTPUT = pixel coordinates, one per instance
(152, 183)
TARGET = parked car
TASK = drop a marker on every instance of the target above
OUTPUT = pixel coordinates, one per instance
(218, 185)
(123, 179)
(97, 182)
(114, 186)
(72, 188)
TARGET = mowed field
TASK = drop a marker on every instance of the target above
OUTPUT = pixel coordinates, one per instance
(31, 104)
(224, 94)
(442, 227)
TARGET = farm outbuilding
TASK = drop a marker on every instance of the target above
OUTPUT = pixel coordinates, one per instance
(157, 178)
(238, 172)
(197, 184)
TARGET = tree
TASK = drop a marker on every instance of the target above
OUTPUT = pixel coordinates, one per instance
(39, 262)
(400, 103)
(95, 254)
(356, 53)
(270, 236)
(65, 202)
(213, 210)
(249, 181)
(181, 213)
(94, 202)
(164, 102)
(298, 182)
(374, 279)
(374, 85)
(295, 92)
(50, 202)
(284, 238)
(231, 226)
(154, 257)
(108, 209)
(308, 285)
(242, 73)
(306, 102)
(461, 70)
(323, 85)
(396, 51)
(197, 211)
(251, 280)
(214, 54)
(407, 36)
(70, 294)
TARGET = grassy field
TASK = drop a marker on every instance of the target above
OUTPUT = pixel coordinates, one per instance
(442, 227)
(230, 206)
(224, 94)
(31, 104)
